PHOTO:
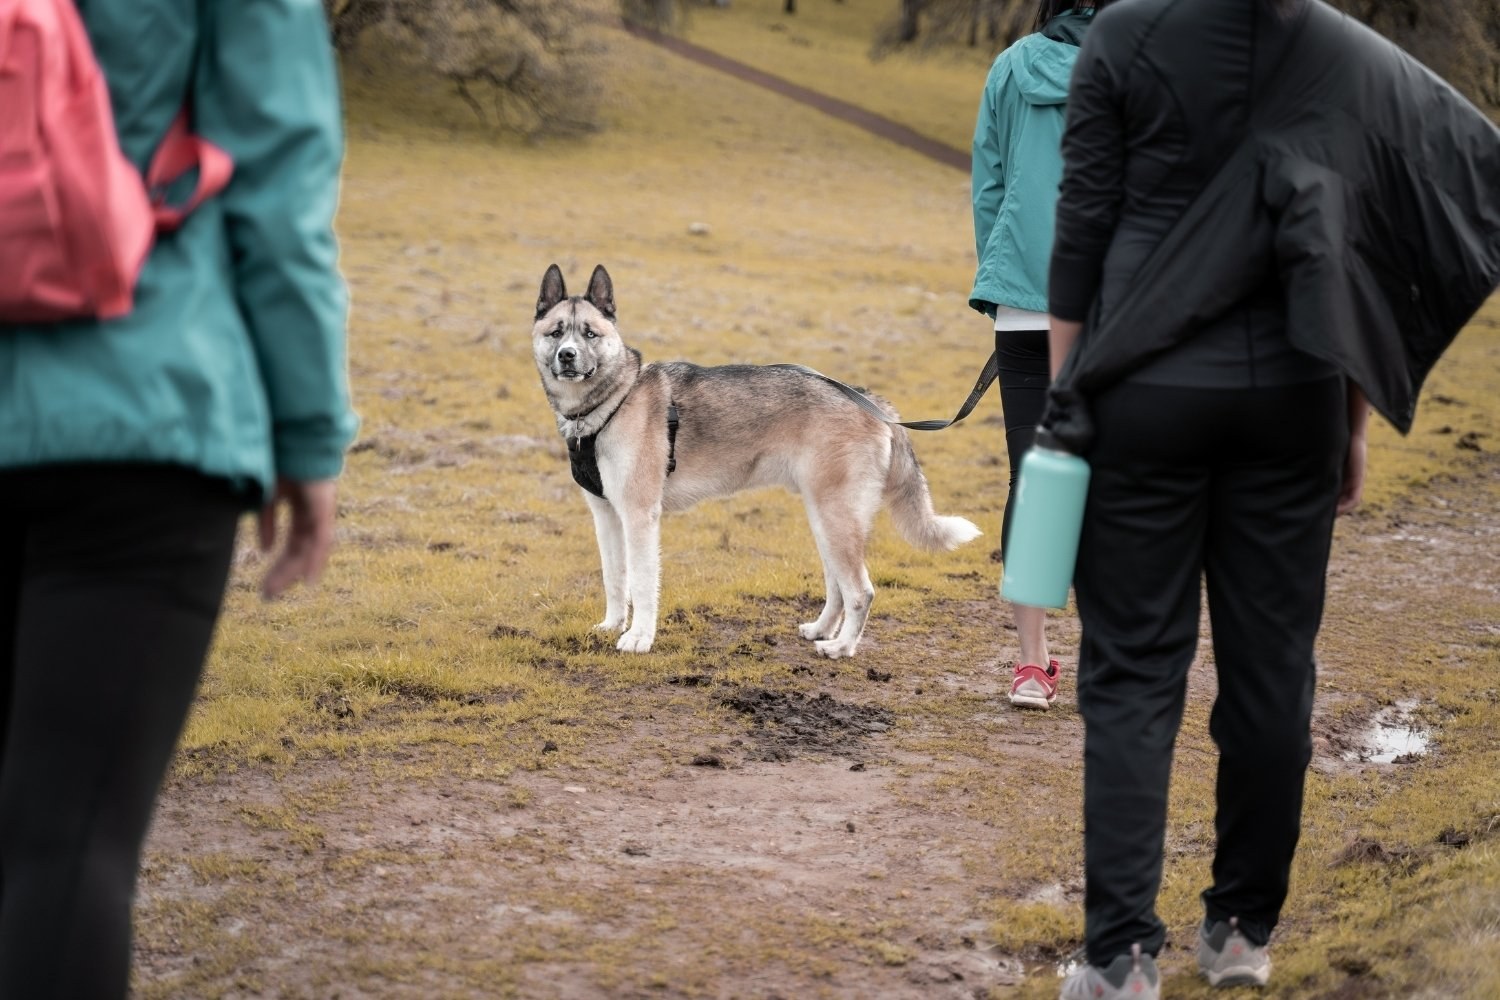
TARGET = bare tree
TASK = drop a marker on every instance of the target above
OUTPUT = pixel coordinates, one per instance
(521, 65)
(659, 15)
(928, 24)
(909, 23)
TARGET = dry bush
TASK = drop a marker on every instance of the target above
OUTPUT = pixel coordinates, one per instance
(523, 65)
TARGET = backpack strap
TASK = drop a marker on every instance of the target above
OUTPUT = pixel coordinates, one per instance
(179, 153)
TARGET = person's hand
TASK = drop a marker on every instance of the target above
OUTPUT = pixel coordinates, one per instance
(1353, 487)
(309, 536)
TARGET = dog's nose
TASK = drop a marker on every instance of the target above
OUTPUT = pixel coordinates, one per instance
(567, 356)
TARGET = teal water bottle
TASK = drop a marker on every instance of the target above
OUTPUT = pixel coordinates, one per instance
(1045, 525)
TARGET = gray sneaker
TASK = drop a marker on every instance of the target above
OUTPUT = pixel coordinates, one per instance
(1227, 958)
(1128, 977)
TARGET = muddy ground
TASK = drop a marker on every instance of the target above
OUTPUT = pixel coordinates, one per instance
(817, 837)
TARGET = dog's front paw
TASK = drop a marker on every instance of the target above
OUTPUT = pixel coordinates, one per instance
(836, 648)
(636, 641)
(611, 624)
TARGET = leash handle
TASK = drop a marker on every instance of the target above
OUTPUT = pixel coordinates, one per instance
(985, 380)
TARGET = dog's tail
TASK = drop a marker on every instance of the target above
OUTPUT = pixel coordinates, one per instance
(911, 503)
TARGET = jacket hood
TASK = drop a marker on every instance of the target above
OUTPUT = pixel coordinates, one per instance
(1046, 62)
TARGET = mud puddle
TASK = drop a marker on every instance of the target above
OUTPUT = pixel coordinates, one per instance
(1393, 736)
(789, 724)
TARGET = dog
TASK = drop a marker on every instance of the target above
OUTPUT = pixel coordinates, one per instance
(644, 439)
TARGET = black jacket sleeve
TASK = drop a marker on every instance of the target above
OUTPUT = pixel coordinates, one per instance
(1088, 205)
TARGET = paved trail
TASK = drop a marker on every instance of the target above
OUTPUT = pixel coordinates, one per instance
(875, 124)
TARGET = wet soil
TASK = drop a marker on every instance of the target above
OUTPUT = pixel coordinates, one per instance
(789, 724)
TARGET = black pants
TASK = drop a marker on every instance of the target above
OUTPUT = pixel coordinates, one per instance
(1237, 487)
(1024, 377)
(111, 579)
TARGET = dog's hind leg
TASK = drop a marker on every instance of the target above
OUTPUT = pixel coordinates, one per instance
(848, 515)
(611, 536)
(857, 593)
(642, 572)
(826, 627)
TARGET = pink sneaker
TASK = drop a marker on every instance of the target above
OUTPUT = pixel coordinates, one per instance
(1034, 687)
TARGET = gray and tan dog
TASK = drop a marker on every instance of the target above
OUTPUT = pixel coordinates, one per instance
(661, 437)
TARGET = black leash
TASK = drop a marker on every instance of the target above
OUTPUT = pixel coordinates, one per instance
(986, 379)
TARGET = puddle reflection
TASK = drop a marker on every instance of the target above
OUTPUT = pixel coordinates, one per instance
(1393, 733)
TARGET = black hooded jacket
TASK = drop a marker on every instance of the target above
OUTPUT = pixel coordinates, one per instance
(1226, 162)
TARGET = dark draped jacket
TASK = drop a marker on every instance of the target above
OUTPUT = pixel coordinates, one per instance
(1368, 183)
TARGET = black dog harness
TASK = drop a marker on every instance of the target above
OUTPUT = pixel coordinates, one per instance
(585, 463)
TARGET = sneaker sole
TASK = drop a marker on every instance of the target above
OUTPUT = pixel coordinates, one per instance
(1237, 976)
(1030, 701)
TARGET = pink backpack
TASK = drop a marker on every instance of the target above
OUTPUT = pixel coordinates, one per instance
(76, 217)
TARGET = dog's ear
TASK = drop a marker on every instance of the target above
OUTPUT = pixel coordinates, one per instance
(602, 293)
(553, 291)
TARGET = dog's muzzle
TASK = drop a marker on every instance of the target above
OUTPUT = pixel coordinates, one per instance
(565, 366)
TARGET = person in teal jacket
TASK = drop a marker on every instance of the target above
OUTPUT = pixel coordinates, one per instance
(1016, 171)
(130, 449)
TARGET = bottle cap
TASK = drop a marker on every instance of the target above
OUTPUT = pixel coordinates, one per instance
(1046, 439)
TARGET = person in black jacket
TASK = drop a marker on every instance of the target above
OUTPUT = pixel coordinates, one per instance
(1268, 216)
(1222, 457)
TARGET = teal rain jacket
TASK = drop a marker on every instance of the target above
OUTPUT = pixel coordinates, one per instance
(232, 362)
(1018, 164)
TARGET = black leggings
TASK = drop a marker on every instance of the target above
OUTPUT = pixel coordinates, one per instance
(1024, 377)
(111, 579)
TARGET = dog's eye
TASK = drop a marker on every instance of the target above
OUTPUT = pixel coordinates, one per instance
(558, 332)
(588, 333)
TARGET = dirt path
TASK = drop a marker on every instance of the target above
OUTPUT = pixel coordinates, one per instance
(852, 114)
(848, 835)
